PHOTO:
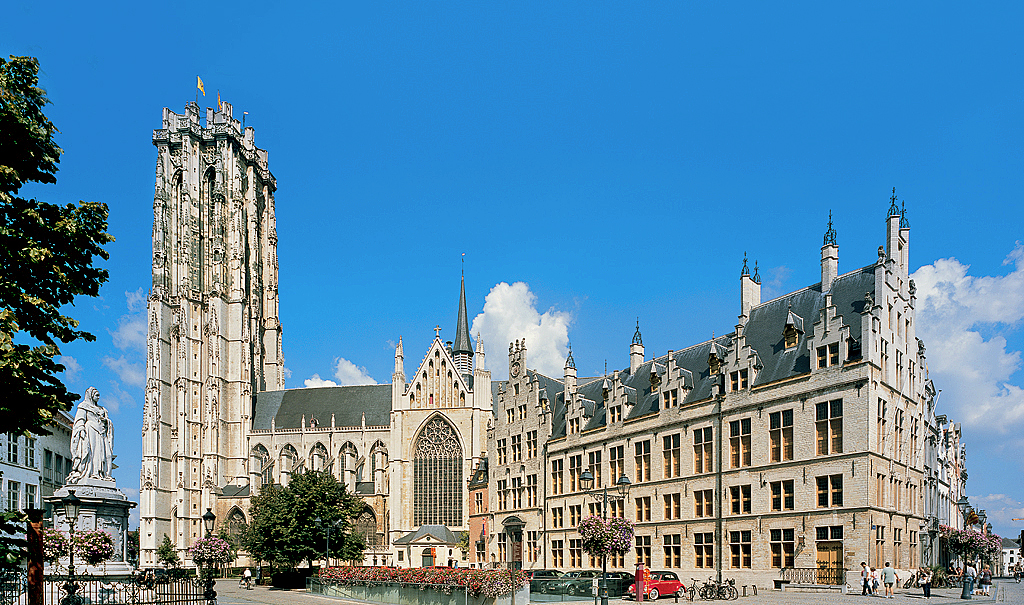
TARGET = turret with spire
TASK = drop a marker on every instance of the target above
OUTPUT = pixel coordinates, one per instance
(462, 348)
(636, 349)
(829, 257)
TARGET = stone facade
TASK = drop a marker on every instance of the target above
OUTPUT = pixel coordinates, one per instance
(214, 339)
(797, 440)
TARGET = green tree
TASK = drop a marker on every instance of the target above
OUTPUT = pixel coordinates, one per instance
(166, 553)
(133, 547)
(47, 253)
(283, 526)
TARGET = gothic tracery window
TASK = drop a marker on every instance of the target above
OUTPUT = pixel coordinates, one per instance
(437, 475)
(262, 465)
(236, 524)
(366, 526)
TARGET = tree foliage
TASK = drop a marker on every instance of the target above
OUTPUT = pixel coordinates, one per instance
(47, 253)
(166, 553)
(283, 528)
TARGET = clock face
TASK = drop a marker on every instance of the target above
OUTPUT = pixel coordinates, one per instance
(515, 369)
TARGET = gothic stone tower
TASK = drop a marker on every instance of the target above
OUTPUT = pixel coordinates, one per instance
(214, 337)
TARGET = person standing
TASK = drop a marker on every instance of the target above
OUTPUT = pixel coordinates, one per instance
(875, 579)
(986, 581)
(865, 579)
(925, 580)
(889, 578)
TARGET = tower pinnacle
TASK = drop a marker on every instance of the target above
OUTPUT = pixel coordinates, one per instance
(462, 348)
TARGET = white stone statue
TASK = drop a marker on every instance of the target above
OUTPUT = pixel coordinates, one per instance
(91, 438)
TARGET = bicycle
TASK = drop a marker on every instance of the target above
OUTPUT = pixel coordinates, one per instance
(727, 590)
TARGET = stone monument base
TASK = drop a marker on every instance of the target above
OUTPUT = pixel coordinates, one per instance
(103, 507)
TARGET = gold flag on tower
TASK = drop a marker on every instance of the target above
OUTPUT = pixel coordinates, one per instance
(199, 85)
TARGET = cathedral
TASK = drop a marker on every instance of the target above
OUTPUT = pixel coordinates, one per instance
(217, 420)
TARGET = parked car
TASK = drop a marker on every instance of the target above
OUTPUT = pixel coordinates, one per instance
(573, 583)
(619, 582)
(661, 583)
(540, 578)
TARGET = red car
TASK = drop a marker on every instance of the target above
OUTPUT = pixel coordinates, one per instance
(661, 583)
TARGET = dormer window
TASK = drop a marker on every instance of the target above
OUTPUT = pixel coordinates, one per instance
(739, 380)
(714, 362)
(828, 355)
(791, 336)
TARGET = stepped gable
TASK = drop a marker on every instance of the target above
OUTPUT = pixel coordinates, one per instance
(347, 404)
(764, 330)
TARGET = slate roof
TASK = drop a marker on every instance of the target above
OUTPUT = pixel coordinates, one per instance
(235, 491)
(348, 404)
(479, 477)
(438, 532)
(763, 333)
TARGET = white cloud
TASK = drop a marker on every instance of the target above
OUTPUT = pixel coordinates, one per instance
(349, 373)
(773, 284)
(72, 369)
(345, 372)
(114, 398)
(131, 373)
(974, 373)
(131, 328)
(510, 313)
(316, 381)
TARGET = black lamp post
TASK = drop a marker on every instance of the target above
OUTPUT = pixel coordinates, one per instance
(72, 506)
(320, 524)
(622, 485)
(210, 593)
(965, 509)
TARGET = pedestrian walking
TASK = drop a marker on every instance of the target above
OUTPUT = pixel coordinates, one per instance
(865, 579)
(986, 581)
(925, 581)
(889, 578)
(970, 574)
(875, 579)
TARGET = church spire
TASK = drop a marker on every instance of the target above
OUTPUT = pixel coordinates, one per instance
(462, 348)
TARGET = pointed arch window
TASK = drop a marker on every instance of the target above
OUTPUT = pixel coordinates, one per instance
(262, 465)
(365, 525)
(437, 475)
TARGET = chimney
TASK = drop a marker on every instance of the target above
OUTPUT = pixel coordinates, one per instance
(829, 257)
(750, 290)
(636, 350)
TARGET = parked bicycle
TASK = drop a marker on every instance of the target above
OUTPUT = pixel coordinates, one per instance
(712, 590)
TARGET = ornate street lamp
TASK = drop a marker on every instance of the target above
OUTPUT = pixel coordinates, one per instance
(622, 487)
(72, 506)
(965, 509)
(210, 593)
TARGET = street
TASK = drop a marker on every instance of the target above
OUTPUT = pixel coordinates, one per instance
(1003, 591)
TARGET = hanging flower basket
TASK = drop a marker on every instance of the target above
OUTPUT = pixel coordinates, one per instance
(210, 551)
(94, 546)
(601, 537)
(55, 545)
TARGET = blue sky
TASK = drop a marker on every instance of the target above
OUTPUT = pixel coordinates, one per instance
(596, 162)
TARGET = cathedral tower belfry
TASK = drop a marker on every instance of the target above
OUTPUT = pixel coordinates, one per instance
(462, 348)
(214, 337)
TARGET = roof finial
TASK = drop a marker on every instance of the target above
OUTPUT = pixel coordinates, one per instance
(904, 223)
(636, 336)
(463, 264)
(757, 276)
(830, 234)
(893, 210)
(744, 270)
(569, 361)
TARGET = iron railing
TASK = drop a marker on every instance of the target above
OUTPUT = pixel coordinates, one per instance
(832, 576)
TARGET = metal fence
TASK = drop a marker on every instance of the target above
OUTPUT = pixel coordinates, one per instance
(93, 590)
(833, 576)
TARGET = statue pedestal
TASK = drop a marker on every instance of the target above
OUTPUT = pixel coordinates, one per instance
(105, 508)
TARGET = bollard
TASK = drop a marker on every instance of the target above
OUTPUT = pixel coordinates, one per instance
(744, 590)
(755, 590)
